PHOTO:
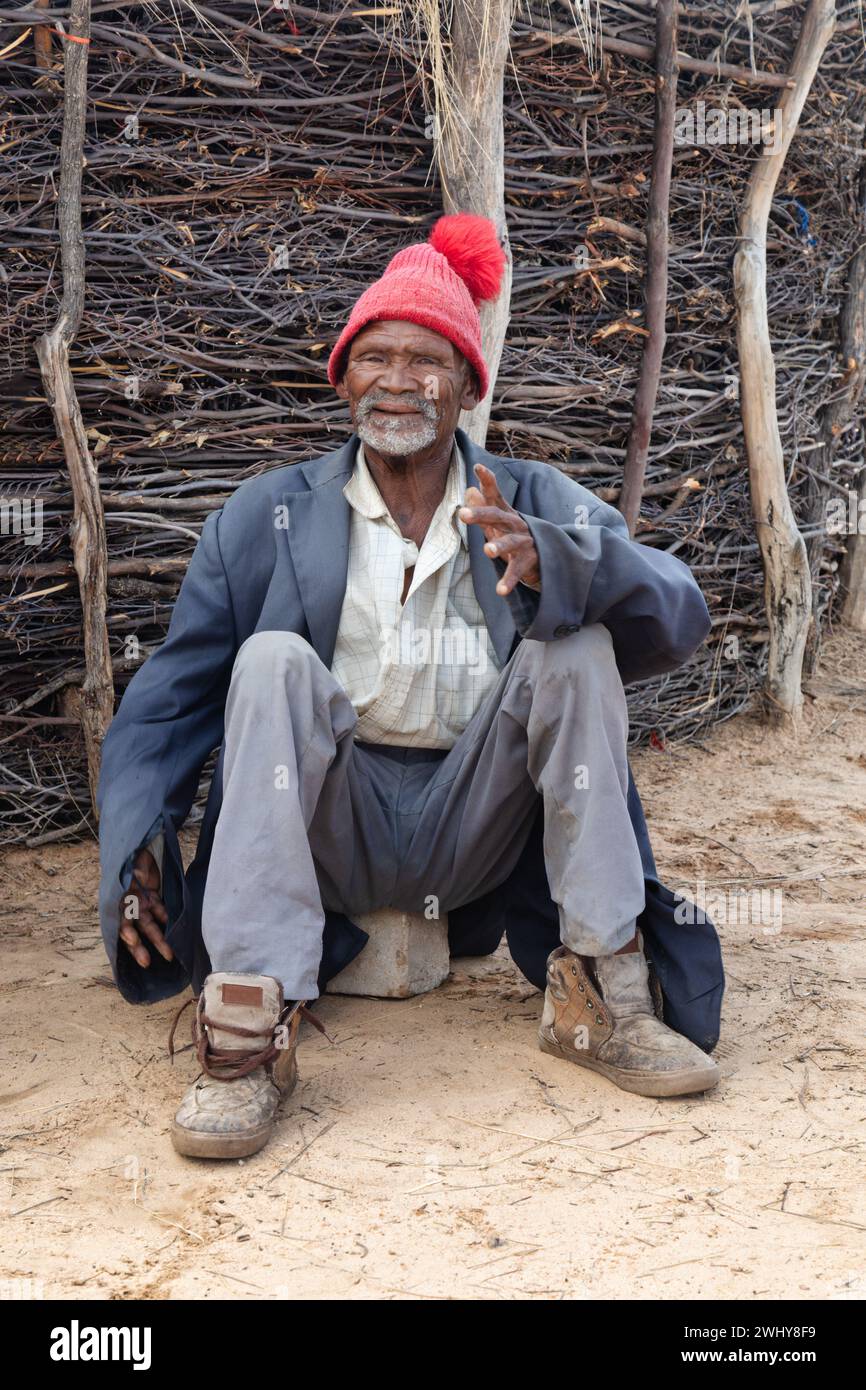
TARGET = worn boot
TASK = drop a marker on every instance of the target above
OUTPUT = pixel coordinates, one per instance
(245, 1039)
(599, 1013)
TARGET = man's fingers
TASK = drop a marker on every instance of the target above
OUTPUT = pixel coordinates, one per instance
(153, 915)
(490, 487)
(153, 903)
(503, 542)
(152, 912)
(149, 927)
(522, 562)
(149, 897)
(133, 943)
(488, 516)
(146, 869)
(513, 574)
(503, 546)
(147, 875)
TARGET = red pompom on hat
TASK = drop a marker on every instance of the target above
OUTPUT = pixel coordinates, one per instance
(438, 284)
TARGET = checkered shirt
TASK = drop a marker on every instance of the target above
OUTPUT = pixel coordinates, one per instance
(415, 673)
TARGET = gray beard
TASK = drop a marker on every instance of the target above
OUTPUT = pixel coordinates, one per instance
(397, 440)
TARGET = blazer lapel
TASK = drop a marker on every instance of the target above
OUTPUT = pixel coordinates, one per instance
(496, 610)
(318, 537)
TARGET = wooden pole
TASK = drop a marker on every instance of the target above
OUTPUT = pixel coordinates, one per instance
(656, 293)
(852, 341)
(834, 421)
(42, 40)
(470, 153)
(87, 531)
(854, 567)
(787, 583)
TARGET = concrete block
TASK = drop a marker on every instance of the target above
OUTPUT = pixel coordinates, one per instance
(406, 954)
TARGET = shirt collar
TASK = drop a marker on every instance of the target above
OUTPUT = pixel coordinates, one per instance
(362, 493)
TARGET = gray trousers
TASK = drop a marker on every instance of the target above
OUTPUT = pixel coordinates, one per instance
(312, 819)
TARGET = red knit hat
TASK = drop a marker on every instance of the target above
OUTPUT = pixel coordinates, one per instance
(437, 283)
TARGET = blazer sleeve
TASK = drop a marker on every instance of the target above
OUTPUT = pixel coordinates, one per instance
(595, 573)
(169, 721)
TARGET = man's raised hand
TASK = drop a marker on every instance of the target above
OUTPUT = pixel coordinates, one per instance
(151, 915)
(507, 535)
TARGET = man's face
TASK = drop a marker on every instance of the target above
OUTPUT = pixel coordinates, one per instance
(406, 387)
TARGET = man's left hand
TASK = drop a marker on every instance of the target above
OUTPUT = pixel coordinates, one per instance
(508, 536)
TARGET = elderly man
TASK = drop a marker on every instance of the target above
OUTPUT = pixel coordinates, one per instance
(412, 654)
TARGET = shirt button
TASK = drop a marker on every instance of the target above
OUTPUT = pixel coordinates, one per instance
(566, 629)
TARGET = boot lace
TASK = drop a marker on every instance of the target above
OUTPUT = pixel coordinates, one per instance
(232, 1064)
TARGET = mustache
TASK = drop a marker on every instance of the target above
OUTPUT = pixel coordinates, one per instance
(373, 398)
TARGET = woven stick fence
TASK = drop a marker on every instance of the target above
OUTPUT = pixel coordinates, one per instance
(250, 170)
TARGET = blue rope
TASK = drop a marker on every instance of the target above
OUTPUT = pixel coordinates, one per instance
(803, 221)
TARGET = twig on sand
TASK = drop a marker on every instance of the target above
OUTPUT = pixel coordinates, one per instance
(61, 1197)
(309, 1144)
(221, 1274)
(648, 1134)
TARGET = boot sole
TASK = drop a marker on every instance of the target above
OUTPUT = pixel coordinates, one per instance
(199, 1144)
(678, 1083)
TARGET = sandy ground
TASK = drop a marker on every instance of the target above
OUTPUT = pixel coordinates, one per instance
(434, 1152)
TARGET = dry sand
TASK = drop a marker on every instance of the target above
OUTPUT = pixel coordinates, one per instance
(434, 1152)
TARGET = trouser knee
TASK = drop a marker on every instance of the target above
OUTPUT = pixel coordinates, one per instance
(266, 653)
(585, 656)
(588, 650)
